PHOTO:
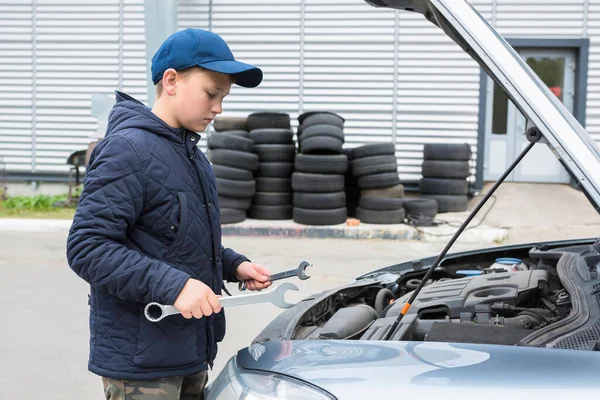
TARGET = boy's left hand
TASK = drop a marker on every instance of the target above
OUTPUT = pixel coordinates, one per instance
(255, 275)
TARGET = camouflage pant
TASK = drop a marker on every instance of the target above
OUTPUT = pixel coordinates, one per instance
(177, 388)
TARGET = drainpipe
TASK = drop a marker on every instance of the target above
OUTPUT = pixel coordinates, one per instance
(160, 21)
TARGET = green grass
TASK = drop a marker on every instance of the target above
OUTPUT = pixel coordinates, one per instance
(40, 206)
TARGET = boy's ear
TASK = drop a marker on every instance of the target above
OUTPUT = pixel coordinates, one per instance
(169, 81)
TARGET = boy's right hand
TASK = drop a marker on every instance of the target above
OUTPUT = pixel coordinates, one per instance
(197, 300)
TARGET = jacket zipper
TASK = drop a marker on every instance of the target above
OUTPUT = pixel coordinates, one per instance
(209, 326)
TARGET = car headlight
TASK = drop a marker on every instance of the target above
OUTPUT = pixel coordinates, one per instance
(235, 383)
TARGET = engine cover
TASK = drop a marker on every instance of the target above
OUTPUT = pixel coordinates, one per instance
(461, 295)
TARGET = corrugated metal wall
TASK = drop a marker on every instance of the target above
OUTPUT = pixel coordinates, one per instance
(592, 29)
(76, 53)
(16, 84)
(392, 75)
(437, 91)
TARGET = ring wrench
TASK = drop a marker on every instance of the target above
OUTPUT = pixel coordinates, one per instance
(155, 312)
(299, 272)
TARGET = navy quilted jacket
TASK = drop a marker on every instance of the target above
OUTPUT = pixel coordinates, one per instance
(147, 221)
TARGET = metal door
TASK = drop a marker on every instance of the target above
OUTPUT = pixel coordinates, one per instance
(505, 130)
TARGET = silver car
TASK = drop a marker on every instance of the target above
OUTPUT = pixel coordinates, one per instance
(515, 322)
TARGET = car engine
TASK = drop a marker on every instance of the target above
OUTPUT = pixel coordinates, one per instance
(544, 297)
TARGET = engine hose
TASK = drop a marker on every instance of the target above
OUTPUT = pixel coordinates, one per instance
(534, 312)
(412, 284)
(382, 300)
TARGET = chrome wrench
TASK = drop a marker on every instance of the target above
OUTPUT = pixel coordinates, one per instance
(299, 272)
(155, 312)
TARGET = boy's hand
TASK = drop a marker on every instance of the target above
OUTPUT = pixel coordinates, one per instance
(197, 300)
(255, 275)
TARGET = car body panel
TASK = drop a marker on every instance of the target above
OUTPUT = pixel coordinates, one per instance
(362, 369)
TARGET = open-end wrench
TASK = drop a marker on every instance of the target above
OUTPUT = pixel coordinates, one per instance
(299, 272)
(155, 312)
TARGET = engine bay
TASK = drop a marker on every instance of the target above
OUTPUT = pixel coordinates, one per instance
(540, 297)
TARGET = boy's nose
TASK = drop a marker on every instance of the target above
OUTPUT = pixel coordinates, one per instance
(217, 108)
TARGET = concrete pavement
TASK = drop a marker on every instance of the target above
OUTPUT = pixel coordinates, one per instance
(44, 328)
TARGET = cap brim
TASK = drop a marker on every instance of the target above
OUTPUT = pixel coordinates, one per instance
(247, 75)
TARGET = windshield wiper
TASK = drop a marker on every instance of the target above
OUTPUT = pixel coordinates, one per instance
(533, 135)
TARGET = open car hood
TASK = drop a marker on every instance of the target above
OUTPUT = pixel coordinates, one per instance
(565, 136)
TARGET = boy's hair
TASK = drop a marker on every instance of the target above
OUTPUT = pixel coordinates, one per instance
(185, 73)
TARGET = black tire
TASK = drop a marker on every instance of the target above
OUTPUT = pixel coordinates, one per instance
(275, 152)
(374, 165)
(317, 183)
(322, 130)
(233, 158)
(321, 145)
(238, 189)
(238, 133)
(376, 169)
(396, 191)
(229, 123)
(447, 151)
(320, 201)
(275, 170)
(271, 212)
(273, 184)
(272, 199)
(380, 203)
(231, 216)
(321, 164)
(308, 216)
(265, 120)
(445, 169)
(450, 203)
(320, 117)
(235, 203)
(422, 207)
(380, 216)
(443, 186)
(236, 174)
(382, 180)
(272, 136)
(231, 142)
(375, 149)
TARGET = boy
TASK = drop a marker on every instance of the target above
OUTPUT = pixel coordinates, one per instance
(147, 228)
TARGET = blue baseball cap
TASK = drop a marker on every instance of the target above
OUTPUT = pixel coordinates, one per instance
(197, 47)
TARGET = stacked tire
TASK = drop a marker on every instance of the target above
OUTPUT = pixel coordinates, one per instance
(320, 170)
(376, 170)
(231, 124)
(276, 154)
(265, 120)
(420, 211)
(445, 170)
(233, 164)
(320, 133)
